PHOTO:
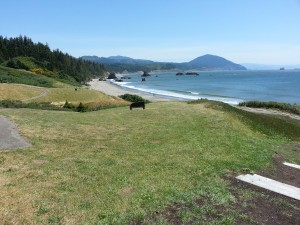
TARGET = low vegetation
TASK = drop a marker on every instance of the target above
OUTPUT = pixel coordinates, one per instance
(133, 98)
(31, 105)
(9, 75)
(118, 166)
(266, 124)
(286, 107)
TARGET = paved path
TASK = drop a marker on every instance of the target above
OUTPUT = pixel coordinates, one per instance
(9, 136)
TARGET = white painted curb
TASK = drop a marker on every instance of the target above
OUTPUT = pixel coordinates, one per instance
(292, 165)
(272, 185)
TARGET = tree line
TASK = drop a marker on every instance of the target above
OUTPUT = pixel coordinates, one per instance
(55, 61)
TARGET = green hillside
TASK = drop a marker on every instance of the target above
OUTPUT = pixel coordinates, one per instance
(22, 53)
(10, 75)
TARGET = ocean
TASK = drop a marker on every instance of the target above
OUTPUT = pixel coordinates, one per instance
(227, 86)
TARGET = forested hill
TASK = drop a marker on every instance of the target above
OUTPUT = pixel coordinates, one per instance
(202, 63)
(22, 53)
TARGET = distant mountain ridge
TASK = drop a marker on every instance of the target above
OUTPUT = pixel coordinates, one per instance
(214, 62)
(205, 62)
(116, 59)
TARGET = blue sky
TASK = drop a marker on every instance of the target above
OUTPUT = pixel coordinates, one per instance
(244, 31)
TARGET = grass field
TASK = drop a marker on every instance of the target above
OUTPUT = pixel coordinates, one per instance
(115, 166)
(59, 95)
(20, 92)
(84, 95)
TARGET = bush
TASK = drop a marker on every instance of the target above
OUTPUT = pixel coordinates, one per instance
(32, 105)
(81, 108)
(134, 98)
(68, 105)
(16, 64)
(48, 106)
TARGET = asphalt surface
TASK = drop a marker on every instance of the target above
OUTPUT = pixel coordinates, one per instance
(10, 137)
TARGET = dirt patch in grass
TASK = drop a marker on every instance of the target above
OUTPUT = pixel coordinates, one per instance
(126, 191)
(265, 207)
(283, 173)
(250, 204)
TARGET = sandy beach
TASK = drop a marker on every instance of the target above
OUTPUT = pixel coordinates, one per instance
(114, 90)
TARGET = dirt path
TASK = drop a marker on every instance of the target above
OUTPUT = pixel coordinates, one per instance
(270, 112)
(9, 136)
(43, 93)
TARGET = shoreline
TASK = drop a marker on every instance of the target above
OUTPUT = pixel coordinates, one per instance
(114, 90)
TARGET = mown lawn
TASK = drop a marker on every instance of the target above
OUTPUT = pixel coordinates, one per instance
(116, 166)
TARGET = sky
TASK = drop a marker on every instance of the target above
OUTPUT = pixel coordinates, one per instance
(243, 31)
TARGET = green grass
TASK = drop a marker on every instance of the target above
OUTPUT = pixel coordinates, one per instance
(266, 124)
(9, 75)
(117, 165)
(19, 76)
(29, 62)
(285, 107)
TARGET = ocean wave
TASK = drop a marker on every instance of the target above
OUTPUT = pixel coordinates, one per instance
(180, 95)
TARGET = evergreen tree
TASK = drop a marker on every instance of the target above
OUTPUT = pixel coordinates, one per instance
(55, 61)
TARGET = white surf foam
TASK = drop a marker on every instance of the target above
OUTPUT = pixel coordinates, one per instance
(180, 96)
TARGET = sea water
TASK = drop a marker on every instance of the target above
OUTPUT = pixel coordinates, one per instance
(227, 86)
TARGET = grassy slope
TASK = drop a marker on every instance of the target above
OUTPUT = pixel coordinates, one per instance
(83, 95)
(59, 94)
(9, 75)
(20, 92)
(112, 166)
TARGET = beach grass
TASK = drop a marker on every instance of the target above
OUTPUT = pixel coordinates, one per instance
(117, 166)
(18, 92)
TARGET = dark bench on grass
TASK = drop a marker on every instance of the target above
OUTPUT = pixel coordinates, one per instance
(137, 105)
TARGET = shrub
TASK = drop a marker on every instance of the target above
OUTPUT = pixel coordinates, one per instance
(68, 105)
(16, 64)
(134, 98)
(32, 105)
(48, 106)
(81, 108)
